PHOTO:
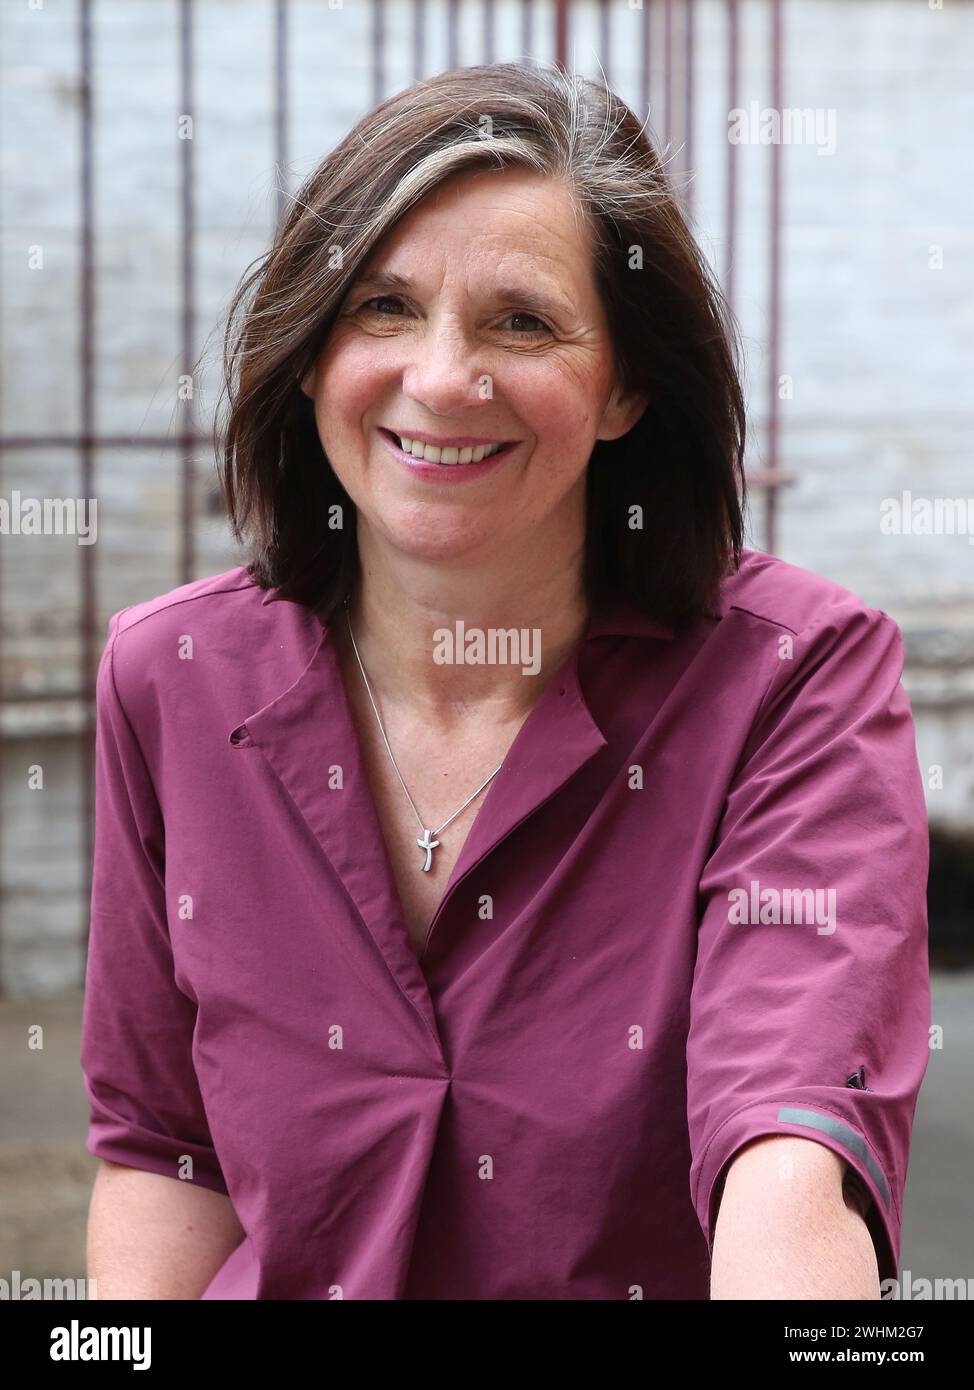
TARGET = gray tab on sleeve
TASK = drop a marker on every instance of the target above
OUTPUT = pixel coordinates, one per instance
(811, 1119)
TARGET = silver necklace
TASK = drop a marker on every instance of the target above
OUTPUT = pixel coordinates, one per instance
(427, 841)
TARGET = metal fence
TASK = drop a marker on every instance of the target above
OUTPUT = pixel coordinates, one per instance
(668, 30)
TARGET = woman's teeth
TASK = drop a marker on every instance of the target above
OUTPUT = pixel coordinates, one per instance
(430, 453)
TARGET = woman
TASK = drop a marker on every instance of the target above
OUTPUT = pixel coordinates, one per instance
(506, 870)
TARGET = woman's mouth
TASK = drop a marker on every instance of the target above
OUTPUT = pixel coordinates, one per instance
(467, 459)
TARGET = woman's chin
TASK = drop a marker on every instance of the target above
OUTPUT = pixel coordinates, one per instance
(438, 538)
(438, 549)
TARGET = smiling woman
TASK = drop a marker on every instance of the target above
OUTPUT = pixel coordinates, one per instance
(429, 975)
(451, 345)
(495, 255)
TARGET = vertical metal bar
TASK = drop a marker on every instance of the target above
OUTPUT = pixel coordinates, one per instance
(646, 58)
(668, 70)
(733, 80)
(452, 36)
(561, 34)
(605, 39)
(378, 50)
(527, 27)
(419, 38)
(689, 104)
(187, 294)
(87, 309)
(280, 105)
(771, 491)
(675, 87)
(488, 31)
(2, 673)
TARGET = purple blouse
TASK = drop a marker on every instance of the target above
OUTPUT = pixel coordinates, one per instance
(690, 911)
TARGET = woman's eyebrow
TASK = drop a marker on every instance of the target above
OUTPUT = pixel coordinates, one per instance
(552, 305)
(382, 280)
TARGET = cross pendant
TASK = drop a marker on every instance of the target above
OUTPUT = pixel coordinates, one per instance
(429, 844)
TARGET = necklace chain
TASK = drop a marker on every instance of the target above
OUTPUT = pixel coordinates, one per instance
(427, 842)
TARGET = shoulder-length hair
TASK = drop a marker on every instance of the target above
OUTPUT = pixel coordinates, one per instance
(664, 502)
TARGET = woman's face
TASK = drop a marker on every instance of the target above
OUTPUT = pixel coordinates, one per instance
(477, 321)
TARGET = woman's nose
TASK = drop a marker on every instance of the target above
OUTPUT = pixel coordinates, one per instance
(443, 372)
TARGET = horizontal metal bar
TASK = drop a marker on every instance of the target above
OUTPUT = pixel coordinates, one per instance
(37, 697)
(770, 477)
(104, 441)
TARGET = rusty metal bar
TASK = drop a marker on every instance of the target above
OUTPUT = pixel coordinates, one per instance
(561, 34)
(2, 673)
(765, 477)
(100, 441)
(645, 64)
(676, 86)
(89, 602)
(488, 37)
(281, 36)
(733, 82)
(668, 70)
(419, 38)
(774, 327)
(605, 39)
(689, 36)
(187, 392)
(378, 50)
(452, 34)
(42, 697)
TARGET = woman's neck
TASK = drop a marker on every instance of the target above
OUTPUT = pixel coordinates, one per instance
(451, 643)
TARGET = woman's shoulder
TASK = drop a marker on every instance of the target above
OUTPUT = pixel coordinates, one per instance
(215, 598)
(797, 600)
(224, 629)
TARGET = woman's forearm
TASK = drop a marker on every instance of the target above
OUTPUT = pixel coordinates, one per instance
(156, 1237)
(785, 1230)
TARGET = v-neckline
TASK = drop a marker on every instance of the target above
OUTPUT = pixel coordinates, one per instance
(308, 736)
(358, 708)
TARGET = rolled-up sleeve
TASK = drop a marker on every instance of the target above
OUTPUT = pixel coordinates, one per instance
(812, 969)
(145, 1107)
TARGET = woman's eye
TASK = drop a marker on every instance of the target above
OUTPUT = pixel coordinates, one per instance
(380, 299)
(525, 325)
(537, 332)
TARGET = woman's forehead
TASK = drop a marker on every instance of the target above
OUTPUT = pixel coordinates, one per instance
(508, 234)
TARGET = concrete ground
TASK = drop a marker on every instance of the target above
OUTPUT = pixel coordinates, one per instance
(46, 1173)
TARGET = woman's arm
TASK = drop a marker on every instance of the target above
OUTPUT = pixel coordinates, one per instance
(826, 804)
(156, 1237)
(786, 1230)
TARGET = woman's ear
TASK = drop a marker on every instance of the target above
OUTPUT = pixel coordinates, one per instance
(307, 382)
(622, 411)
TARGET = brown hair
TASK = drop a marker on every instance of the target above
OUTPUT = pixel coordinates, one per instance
(673, 336)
